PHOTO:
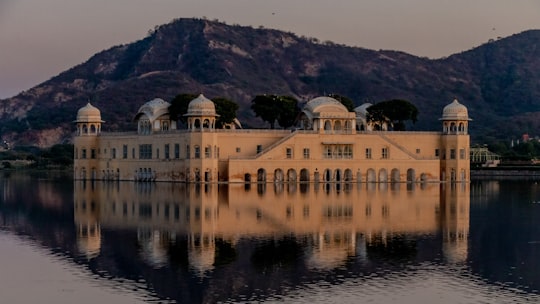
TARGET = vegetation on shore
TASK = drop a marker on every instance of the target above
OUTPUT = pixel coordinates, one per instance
(59, 156)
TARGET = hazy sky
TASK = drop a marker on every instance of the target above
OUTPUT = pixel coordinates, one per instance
(41, 38)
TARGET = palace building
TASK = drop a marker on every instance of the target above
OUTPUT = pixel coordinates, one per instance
(330, 144)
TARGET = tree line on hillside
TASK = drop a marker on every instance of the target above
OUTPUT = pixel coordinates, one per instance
(284, 110)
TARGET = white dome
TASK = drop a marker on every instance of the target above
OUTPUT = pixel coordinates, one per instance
(324, 104)
(88, 113)
(362, 109)
(153, 109)
(455, 111)
(201, 106)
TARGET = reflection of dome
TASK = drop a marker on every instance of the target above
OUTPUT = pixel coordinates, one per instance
(89, 240)
(88, 113)
(153, 109)
(455, 251)
(201, 106)
(201, 259)
(153, 248)
(328, 258)
(455, 111)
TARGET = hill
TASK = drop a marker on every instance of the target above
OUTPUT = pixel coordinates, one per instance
(499, 81)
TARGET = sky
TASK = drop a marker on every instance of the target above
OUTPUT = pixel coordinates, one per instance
(41, 38)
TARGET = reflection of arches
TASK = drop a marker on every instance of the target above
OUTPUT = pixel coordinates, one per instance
(278, 175)
(348, 176)
(411, 175)
(383, 176)
(304, 175)
(327, 175)
(247, 178)
(394, 175)
(291, 175)
(261, 175)
(371, 176)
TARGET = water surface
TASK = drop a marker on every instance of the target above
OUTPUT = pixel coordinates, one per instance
(63, 241)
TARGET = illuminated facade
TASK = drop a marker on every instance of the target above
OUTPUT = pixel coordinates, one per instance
(330, 144)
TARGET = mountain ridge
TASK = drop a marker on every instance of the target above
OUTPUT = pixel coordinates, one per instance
(498, 81)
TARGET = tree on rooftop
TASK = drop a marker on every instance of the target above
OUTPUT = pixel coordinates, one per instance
(288, 112)
(179, 106)
(226, 109)
(272, 108)
(346, 101)
(395, 112)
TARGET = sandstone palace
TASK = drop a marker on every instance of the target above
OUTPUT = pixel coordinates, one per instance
(330, 144)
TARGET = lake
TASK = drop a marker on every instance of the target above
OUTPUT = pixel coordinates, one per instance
(124, 242)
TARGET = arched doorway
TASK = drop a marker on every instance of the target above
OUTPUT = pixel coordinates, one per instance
(348, 176)
(304, 175)
(411, 176)
(327, 175)
(395, 176)
(291, 175)
(383, 176)
(278, 176)
(337, 175)
(261, 175)
(371, 177)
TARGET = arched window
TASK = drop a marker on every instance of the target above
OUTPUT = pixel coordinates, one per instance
(327, 127)
(348, 126)
(337, 126)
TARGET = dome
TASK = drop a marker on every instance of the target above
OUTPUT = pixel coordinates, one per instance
(88, 113)
(324, 104)
(455, 111)
(153, 109)
(201, 106)
(362, 109)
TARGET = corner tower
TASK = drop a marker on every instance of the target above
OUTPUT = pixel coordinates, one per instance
(202, 148)
(455, 143)
(86, 142)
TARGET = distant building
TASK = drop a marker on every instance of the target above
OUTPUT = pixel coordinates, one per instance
(330, 144)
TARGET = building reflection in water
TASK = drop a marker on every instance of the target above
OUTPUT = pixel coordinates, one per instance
(336, 220)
